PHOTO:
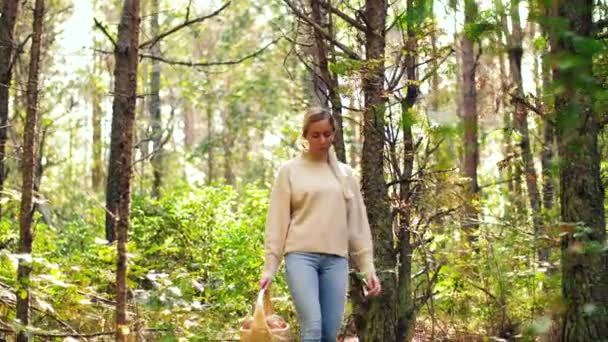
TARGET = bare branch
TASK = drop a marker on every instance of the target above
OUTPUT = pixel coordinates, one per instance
(352, 54)
(526, 104)
(434, 70)
(207, 64)
(496, 183)
(150, 43)
(103, 29)
(188, 10)
(201, 64)
(353, 22)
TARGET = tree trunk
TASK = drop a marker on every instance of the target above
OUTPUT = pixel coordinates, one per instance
(118, 192)
(434, 101)
(507, 167)
(471, 144)
(29, 168)
(316, 88)
(210, 145)
(7, 28)
(354, 152)
(584, 260)
(328, 89)
(548, 127)
(228, 138)
(548, 130)
(375, 319)
(142, 128)
(155, 114)
(190, 126)
(406, 315)
(513, 169)
(39, 154)
(521, 122)
(97, 167)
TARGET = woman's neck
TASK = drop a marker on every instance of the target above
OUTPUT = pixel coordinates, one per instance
(316, 157)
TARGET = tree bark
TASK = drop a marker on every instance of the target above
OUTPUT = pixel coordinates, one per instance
(507, 167)
(513, 171)
(190, 126)
(7, 27)
(155, 114)
(314, 84)
(548, 128)
(521, 121)
(471, 144)
(328, 87)
(228, 139)
(29, 168)
(375, 319)
(583, 258)
(406, 315)
(406, 312)
(210, 144)
(120, 170)
(434, 101)
(97, 167)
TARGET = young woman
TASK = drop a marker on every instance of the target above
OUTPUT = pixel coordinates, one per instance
(316, 220)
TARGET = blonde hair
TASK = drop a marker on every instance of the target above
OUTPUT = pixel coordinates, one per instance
(316, 114)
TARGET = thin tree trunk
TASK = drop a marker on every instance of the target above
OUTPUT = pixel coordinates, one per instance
(434, 103)
(471, 144)
(29, 167)
(155, 114)
(96, 170)
(329, 87)
(406, 313)
(120, 170)
(97, 167)
(508, 170)
(190, 135)
(548, 131)
(228, 143)
(7, 28)
(142, 128)
(375, 319)
(548, 127)
(318, 53)
(123, 116)
(228, 171)
(354, 151)
(515, 171)
(210, 142)
(547, 163)
(142, 133)
(39, 154)
(316, 88)
(521, 121)
(584, 261)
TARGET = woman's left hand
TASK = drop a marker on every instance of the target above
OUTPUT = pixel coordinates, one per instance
(373, 286)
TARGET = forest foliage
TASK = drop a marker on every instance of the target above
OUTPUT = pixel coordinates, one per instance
(485, 223)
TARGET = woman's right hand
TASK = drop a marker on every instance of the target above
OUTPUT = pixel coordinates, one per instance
(265, 282)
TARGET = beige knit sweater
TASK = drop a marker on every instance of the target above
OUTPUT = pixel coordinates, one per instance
(309, 213)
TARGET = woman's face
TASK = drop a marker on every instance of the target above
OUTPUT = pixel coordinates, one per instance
(320, 135)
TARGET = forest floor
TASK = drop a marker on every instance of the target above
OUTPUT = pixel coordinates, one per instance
(424, 332)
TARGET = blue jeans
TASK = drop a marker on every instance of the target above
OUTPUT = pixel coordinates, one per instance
(317, 283)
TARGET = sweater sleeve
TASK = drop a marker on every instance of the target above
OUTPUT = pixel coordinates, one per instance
(360, 238)
(277, 222)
